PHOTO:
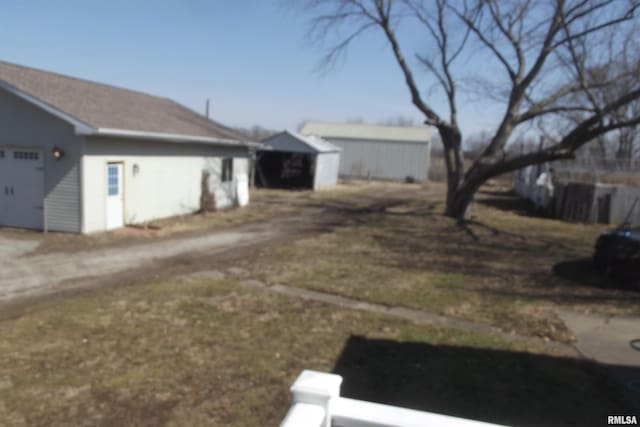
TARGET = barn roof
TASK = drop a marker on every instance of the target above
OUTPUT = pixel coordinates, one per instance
(100, 106)
(310, 143)
(370, 132)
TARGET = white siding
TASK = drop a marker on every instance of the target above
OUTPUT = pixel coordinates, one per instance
(224, 192)
(327, 165)
(394, 160)
(168, 181)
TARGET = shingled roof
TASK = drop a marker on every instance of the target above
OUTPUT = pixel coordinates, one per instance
(102, 106)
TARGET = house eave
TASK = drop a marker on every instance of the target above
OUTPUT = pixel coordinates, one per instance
(168, 137)
(79, 126)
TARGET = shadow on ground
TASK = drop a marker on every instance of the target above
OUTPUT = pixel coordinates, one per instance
(508, 200)
(582, 272)
(504, 387)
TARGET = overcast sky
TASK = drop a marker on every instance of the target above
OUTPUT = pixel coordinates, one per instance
(250, 57)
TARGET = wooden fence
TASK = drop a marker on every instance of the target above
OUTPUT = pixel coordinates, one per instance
(577, 201)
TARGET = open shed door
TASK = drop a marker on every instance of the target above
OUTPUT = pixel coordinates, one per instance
(21, 188)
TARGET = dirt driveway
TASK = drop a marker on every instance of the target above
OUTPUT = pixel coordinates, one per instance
(28, 275)
(25, 274)
(28, 271)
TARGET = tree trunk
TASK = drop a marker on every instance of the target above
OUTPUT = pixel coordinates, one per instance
(457, 199)
(460, 200)
(458, 204)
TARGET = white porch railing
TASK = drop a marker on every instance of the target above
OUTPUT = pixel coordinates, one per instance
(317, 403)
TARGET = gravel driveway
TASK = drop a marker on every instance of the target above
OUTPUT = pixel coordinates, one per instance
(26, 275)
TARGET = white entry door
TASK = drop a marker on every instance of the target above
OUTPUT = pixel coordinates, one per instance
(21, 188)
(115, 199)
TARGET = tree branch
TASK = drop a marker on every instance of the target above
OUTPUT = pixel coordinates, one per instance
(432, 117)
(469, 21)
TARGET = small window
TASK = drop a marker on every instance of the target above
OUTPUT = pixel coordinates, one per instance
(25, 155)
(227, 169)
(112, 177)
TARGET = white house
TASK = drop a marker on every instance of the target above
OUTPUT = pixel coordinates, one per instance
(317, 161)
(378, 152)
(80, 156)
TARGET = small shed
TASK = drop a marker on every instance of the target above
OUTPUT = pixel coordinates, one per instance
(291, 160)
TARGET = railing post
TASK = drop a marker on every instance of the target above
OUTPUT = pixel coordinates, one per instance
(316, 389)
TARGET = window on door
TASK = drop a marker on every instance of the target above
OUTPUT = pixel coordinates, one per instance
(25, 155)
(227, 169)
(113, 180)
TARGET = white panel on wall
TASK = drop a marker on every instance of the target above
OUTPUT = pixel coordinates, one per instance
(242, 189)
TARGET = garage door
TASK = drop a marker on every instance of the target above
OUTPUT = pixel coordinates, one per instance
(21, 188)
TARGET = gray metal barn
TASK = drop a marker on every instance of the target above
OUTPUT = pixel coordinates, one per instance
(296, 161)
(378, 152)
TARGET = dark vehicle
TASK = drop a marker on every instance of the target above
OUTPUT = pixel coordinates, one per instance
(618, 255)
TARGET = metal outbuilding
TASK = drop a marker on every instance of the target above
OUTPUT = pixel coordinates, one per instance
(291, 160)
(400, 153)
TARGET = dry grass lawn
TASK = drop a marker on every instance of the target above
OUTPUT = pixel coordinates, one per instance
(214, 353)
(174, 352)
(507, 269)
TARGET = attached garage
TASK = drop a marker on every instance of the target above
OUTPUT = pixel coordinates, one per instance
(290, 160)
(22, 196)
(79, 156)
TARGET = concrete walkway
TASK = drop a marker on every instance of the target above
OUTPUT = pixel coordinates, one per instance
(606, 339)
(417, 316)
(613, 341)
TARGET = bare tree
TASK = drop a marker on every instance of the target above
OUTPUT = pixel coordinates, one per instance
(564, 64)
(627, 147)
(475, 144)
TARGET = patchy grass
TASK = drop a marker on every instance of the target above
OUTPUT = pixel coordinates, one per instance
(215, 353)
(166, 351)
(503, 269)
